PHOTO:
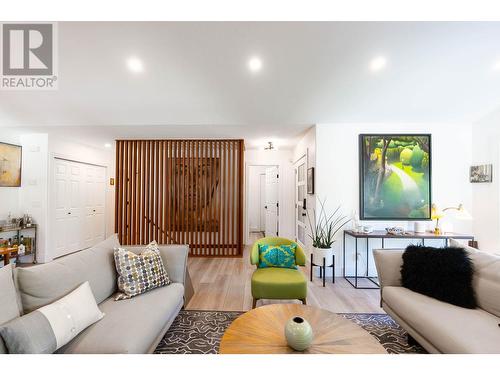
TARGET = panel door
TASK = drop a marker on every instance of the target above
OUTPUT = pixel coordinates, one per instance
(272, 205)
(300, 201)
(79, 202)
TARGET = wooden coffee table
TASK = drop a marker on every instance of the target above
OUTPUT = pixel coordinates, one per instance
(262, 331)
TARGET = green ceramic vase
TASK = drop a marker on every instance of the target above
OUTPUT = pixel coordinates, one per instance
(299, 334)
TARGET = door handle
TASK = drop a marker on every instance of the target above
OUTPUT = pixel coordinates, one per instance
(69, 213)
(304, 214)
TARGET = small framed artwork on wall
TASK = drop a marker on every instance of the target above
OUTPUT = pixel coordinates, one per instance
(310, 180)
(10, 165)
(481, 173)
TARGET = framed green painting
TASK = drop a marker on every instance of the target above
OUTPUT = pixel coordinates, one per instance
(395, 176)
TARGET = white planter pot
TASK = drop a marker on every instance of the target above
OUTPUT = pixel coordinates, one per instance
(319, 254)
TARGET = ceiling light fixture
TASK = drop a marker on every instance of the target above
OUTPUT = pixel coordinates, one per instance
(254, 64)
(496, 66)
(269, 146)
(135, 65)
(378, 63)
(107, 145)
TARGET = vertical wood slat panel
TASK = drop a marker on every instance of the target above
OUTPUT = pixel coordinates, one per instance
(241, 175)
(211, 213)
(233, 198)
(219, 198)
(181, 191)
(226, 197)
(204, 197)
(134, 194)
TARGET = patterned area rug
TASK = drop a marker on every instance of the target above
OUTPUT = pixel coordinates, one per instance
(200, 332)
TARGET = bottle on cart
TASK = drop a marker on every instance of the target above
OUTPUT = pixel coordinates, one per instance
(22, 248)
(9, 243)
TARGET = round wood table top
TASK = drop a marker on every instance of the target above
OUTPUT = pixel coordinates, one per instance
(262, 331)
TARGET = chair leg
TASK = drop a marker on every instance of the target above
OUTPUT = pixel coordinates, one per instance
(304, 302)
(254, 303)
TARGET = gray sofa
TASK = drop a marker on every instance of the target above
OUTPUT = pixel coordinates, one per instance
(438, 326)
(130, 326)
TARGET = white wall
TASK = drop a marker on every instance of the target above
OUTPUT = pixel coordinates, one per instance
(486, 196)
(283, 159)
(337, 170)
(254, 197)
(33, 197)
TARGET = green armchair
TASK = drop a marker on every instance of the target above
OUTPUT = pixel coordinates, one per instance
(278, 283)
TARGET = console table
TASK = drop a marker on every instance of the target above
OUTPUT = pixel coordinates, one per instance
(382, 235)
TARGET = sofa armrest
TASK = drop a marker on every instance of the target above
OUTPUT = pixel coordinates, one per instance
(388, 263)
(175, 260)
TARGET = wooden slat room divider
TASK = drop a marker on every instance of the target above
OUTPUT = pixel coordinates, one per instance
(181, 192)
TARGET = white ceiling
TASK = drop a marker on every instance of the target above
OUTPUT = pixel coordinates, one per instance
(196, 74)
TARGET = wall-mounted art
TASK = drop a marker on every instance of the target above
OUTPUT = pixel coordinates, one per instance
(310, 180)
(481, 173)
(395, 176)
(10, 165)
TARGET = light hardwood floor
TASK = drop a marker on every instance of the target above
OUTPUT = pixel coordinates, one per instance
(223, 284)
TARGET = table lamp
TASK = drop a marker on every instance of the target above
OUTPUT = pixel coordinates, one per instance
(460, 213)
(436, 215)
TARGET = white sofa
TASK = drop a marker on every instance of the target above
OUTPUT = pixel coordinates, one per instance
(135, 325)
(438, 326)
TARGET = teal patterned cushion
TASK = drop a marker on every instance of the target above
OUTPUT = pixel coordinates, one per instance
(281, 256)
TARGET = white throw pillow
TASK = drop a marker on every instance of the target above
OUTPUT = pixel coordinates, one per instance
(72, 314)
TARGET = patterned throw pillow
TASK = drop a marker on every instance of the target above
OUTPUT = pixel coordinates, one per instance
(139, 273)
(282, 256)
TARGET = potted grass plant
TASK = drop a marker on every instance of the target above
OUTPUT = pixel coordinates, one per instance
(324, 230)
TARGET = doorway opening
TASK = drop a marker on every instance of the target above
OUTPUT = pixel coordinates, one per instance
(262, 202)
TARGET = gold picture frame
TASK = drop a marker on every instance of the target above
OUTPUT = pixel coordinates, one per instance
(10, 165)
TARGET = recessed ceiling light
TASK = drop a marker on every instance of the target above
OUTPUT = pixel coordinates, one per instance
(254, 64)
(496, 66)
(378, 63)
(107, 145)
(135, 65)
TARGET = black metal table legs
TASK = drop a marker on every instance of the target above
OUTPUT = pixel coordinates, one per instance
(355, 276)
(322, 269)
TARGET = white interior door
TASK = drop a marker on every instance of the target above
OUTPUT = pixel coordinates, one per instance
(262, 202)
(78, 206)
(272, 205)
(300, 201)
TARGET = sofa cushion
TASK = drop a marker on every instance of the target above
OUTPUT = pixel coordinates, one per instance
(486, 281)
(9, 309)
(46, 283)
(279, 283)
(280, 256)
(138, 273)
(451, 329)
(50, 327)
(132, 325)
(445, 274)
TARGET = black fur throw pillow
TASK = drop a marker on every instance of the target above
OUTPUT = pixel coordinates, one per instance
(444, 274)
